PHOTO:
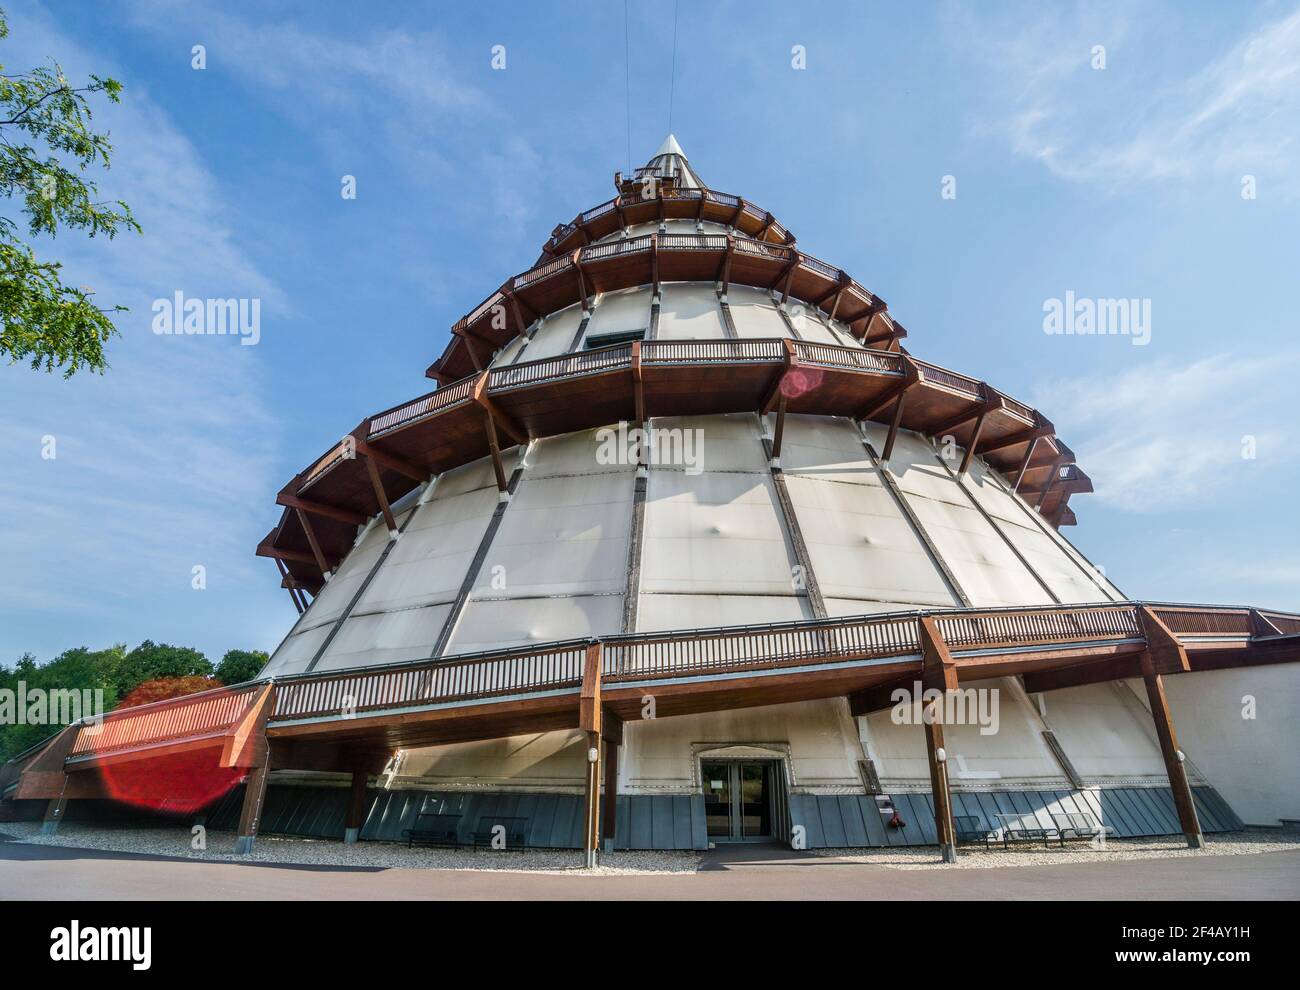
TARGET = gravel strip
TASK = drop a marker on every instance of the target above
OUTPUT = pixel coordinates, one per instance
(324, 852)
(1024, 854)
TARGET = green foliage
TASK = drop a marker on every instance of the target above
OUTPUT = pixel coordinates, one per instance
(238, 666)
(46, 147)
(118, 672)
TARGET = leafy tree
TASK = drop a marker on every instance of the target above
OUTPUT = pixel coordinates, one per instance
(162, 688)
(42, 319)
(150, 661)
(238, 666)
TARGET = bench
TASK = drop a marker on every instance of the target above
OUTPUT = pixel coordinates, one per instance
(971, 828)
(1025, 828)
(514, 831)
(1079, 825)
(434, 830)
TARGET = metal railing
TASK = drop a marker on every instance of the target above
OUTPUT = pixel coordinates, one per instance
(426, 405)
(558, 667)
(465, 678)
(852, 358)
(763, 350)
(953, 380)
(595, 361)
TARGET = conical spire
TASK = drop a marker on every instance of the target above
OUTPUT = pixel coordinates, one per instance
(670, 160)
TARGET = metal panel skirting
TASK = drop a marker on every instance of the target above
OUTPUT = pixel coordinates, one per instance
(849, 820)
(676, 821)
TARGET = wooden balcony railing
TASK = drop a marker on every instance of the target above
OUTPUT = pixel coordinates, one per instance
(557, 668)
(465, 678)
(852, 358)
(759, 350)
(1198, 621)
(427, 405)
(952, 380)
(1020, 627)
(649, 655)
(595, 361)
(202, 714)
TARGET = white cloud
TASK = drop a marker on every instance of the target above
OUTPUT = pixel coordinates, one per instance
(1163, 435)
(160, 461)
(1141, 120)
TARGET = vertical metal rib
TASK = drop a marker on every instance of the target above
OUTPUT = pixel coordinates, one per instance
(960, 481)
(347, 612)
(812, 590)
(900, 500)
(632, 594)
(471, 574)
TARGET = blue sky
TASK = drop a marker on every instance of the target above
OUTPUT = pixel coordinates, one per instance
(1117, 182)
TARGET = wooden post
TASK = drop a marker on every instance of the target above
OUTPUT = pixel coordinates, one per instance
(612, 737)
(356, 806)
(381, 497)
(251, 814)
(589, 721)
(779, 431)
(1174, 757)
(591, 833)
(321, 562)
(894, 424)
(932, 717)
(54, 813)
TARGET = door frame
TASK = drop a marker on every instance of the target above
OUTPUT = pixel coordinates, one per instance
(776, 805)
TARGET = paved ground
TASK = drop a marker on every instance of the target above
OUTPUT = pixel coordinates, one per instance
(746, 873)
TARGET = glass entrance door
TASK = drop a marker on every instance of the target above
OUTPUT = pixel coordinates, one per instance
(737, 799)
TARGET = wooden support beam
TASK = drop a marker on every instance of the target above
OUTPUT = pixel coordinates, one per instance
(790, 361)
(250, 815)
(911, 378)
(894, 424)
(638, 386)
(381, 496)
(1174, 757)
(346, 516)
(974, 441)
(932, 717)
(494, 448)
(654, 263)
(1044, 429)
(609, 823)
(508, 426)
(589, 699)
(317, 554)
(939, 670)
(795, 260)
(276, 553)
(1024, 465)
(384, 459)
(725, 275)
(591, 795)
(779, 431)
(582, 280)
(1165, 651)
(356, 818)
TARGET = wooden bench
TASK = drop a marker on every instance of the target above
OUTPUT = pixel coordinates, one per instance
(1025, 828)
(514, 832)
(971, 828)
(434, 830)
(1079, 825)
